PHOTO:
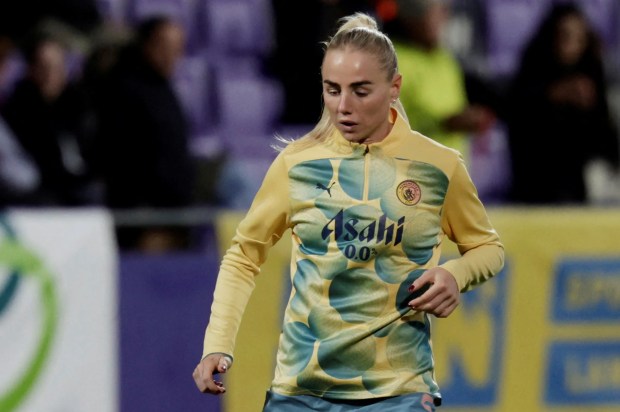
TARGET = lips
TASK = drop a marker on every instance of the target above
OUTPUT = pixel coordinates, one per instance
(347, 125)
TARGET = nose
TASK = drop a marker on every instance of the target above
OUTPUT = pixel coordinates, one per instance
(344, 105)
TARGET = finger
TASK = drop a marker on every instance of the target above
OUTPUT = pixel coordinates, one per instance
(214, 387)
(448, 311)
(200, 381)
(445, 308)
(420, 282)
(443, 304)
(205, 382)
(196, 376)
(435, 305)
(428, 307)
(223, 365)
(423, 300)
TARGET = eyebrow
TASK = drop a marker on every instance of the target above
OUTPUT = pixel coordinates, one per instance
(354, 84)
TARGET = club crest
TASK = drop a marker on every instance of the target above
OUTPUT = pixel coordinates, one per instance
(409, 192)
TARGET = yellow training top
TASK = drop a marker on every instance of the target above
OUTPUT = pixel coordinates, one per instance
(366, 221)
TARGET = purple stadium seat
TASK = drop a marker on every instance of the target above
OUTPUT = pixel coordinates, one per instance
(114, 11)
(192, 83)
(239, 65)
(490, 164)
(510, 25)
(185, 11)
(176, 8)
(13, 70)
(248, 104)
(248, 108)
(239, 26)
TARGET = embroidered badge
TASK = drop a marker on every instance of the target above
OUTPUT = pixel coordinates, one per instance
(409, 192)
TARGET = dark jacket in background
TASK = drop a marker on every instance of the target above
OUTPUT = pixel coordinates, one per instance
(550, 142)
(58, 136)
(144, 139)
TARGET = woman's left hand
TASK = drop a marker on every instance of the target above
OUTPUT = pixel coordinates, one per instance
(442, 296)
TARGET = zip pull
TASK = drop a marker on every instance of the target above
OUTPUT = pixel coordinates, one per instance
(367, 150)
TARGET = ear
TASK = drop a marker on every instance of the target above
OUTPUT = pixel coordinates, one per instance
(397, 82)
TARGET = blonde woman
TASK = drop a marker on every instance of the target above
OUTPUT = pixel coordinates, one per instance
(369, 202)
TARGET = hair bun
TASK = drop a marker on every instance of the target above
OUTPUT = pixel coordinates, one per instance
(358, 20)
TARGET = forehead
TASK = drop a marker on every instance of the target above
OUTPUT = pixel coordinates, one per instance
(572, 22)
(50, 50)
(351, 65)
(169, 31)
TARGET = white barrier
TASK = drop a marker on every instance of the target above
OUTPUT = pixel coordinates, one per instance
(58, 311)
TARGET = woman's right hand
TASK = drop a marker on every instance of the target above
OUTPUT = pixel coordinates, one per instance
(577, 90)
(210, 365)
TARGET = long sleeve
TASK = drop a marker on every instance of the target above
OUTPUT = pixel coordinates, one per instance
(466, 223)
(264, 224)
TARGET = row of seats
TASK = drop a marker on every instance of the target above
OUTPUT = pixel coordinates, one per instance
(222, 88)
(220, 81)
(245, 26)
(219, 26)
(223, 104)
(237, 35)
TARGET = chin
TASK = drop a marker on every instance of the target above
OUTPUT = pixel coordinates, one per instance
(349, 136)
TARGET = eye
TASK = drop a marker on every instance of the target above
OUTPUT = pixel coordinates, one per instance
(361, 93)
(332, 91)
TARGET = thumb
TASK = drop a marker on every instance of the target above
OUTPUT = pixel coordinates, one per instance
(223, 364)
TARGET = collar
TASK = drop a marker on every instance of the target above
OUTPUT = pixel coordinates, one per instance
(390, 143)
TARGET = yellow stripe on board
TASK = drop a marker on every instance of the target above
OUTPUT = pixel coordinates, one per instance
(257, 340)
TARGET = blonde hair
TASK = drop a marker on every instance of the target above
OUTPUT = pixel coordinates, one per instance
(360, 32)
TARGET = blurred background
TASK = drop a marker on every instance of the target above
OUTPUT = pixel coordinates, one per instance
(135, 133)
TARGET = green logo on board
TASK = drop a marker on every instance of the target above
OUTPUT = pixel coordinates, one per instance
(18, 264)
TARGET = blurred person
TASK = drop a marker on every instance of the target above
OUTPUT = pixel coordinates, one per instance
(145, 159)
(19, 18)
(19, 176)
(434, 92)
(102, 57)
(369, 203)
(49, 115)
(559, 118)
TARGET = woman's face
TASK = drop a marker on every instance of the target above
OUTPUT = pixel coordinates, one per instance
(571, 39)
(357, 94)
(48, 70)
(166, 48)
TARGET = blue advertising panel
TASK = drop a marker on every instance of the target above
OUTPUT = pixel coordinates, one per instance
(165, 301)
(584, 373)
(584, 370)
(587, 290)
